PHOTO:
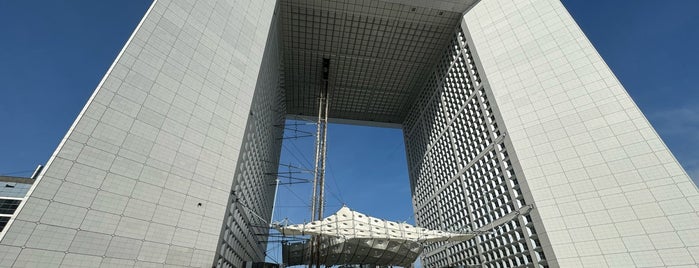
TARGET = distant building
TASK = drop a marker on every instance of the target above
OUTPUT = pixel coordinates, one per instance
(503, 104)
(13, 191)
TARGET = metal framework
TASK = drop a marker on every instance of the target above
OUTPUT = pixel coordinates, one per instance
(317, 202)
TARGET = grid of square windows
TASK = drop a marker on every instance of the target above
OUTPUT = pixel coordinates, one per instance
(380, 53)
(461, 175)
(252, 192)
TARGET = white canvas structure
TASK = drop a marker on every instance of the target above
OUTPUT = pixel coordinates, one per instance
(350, 237)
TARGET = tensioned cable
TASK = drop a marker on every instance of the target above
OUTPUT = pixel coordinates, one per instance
(276, 251)
(305, 158)
(337, 188)
(294, 156)
(297, 196)
(338, 195)
(336, 198)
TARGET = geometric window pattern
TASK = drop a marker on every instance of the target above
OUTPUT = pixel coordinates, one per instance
(252, 193)
(12, 193)
(7, 209)
(3, 222)
(8, 206)
(460, 172)
(380, 52)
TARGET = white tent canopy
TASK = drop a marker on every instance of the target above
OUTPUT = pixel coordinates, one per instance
(346, 223)
(350, 237)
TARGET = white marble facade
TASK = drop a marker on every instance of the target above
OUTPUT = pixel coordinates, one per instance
(608, 192)
(162, 164)
(144, 175)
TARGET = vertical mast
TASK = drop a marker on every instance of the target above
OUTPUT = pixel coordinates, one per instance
(316, 174)
(318, 196)
(323, 150)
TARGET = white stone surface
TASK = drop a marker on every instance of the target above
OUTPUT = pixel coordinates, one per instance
(591, 159)
(154, 151)
(181, 120)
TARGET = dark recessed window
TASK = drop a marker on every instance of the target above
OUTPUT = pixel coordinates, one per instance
(8, 206)
(3, 222)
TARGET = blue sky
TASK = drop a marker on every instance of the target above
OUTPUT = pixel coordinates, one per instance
(54, 53)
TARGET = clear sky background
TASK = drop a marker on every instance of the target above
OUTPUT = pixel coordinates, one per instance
(54, 53)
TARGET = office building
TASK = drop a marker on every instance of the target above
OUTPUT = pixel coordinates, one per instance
(503, 104)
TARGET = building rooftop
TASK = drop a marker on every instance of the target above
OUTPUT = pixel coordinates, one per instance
(16, 179)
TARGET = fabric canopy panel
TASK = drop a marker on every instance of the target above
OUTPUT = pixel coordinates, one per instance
(341, 251)
(350, 237)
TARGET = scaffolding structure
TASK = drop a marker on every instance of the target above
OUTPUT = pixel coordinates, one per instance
(318, 196)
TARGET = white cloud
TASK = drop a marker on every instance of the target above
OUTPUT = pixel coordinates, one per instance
(694, 174)
(679, 128)
(680, 120)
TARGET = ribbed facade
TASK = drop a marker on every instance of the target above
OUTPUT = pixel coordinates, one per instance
(461, 174)
(243, 237)
(173, 159)
(144, 176)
